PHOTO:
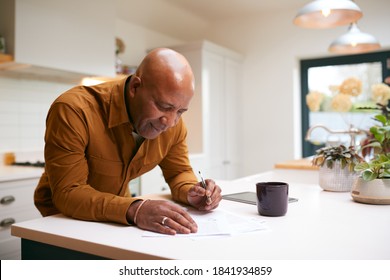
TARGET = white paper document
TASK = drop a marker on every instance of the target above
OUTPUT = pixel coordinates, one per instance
(217, 223)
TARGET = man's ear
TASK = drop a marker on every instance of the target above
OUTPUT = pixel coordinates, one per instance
(135, 82)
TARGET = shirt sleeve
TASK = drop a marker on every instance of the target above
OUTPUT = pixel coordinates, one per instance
(67, 168)
(176, 166)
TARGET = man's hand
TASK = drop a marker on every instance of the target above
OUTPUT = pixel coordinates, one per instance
(162, 216)
(205, 199)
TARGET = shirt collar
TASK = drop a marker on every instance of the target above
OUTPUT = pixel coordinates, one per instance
(118, 112)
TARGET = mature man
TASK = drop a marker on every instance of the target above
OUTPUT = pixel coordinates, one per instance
(99, 138)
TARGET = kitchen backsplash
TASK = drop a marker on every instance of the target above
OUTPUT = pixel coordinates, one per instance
(23, 107)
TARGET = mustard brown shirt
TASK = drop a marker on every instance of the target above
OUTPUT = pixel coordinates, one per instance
(91, 156)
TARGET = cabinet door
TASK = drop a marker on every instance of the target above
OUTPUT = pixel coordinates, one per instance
(213, 92)
(72, 35)
(231, 118)
(221, 86)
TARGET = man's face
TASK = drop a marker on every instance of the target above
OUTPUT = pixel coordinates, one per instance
(154, 109)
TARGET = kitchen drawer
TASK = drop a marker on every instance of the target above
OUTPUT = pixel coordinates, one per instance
(19, 215)
(10, 249)
(18, 193)
(16, 205)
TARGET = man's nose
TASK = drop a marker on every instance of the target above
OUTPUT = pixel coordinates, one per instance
(169, 120)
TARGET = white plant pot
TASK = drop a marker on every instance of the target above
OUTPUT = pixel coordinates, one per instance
(336, 179)
(372, 192)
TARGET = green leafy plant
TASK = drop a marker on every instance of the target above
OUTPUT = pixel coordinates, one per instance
(377, 142)
(2, 46)
(347, 157)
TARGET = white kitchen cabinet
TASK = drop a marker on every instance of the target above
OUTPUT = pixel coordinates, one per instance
(16, 205)
(74, 36)
(153, 182)
(135, 187)
(212, 120)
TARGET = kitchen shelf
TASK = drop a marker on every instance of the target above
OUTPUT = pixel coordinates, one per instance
(12, 69)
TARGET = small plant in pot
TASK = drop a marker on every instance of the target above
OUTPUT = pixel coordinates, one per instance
(373, 184)
(337, 167)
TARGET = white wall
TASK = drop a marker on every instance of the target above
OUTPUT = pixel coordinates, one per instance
(139, 39)
(272, 45)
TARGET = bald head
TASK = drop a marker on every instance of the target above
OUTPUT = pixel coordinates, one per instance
(166, 68)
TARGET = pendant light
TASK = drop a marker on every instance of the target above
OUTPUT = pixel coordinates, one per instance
(327, 14)
(354, 41)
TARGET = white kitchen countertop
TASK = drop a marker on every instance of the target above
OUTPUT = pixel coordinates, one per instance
(13, 172)
(10, 173)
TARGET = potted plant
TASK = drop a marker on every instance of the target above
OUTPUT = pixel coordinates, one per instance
(337, 167)
(373, 184)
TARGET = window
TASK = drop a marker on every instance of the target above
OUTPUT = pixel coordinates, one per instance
(324, 79)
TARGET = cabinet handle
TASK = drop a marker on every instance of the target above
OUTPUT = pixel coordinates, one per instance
(7, 222)
(7, 199)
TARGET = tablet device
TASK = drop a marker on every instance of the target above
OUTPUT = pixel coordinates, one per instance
(248, 197)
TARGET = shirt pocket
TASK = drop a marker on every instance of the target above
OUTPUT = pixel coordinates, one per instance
(106, 175)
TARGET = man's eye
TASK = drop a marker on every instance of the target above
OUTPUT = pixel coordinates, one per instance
(163, 108)
(166, 108)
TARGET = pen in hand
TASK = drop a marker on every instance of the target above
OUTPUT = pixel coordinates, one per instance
(205, 187)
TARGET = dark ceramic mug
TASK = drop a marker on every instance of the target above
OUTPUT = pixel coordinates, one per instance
(272, 198)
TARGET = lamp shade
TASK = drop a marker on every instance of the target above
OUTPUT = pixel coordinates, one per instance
(354, 41)
(327, 14)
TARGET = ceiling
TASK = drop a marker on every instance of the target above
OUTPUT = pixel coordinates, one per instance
(188, 19)
(223, 9)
